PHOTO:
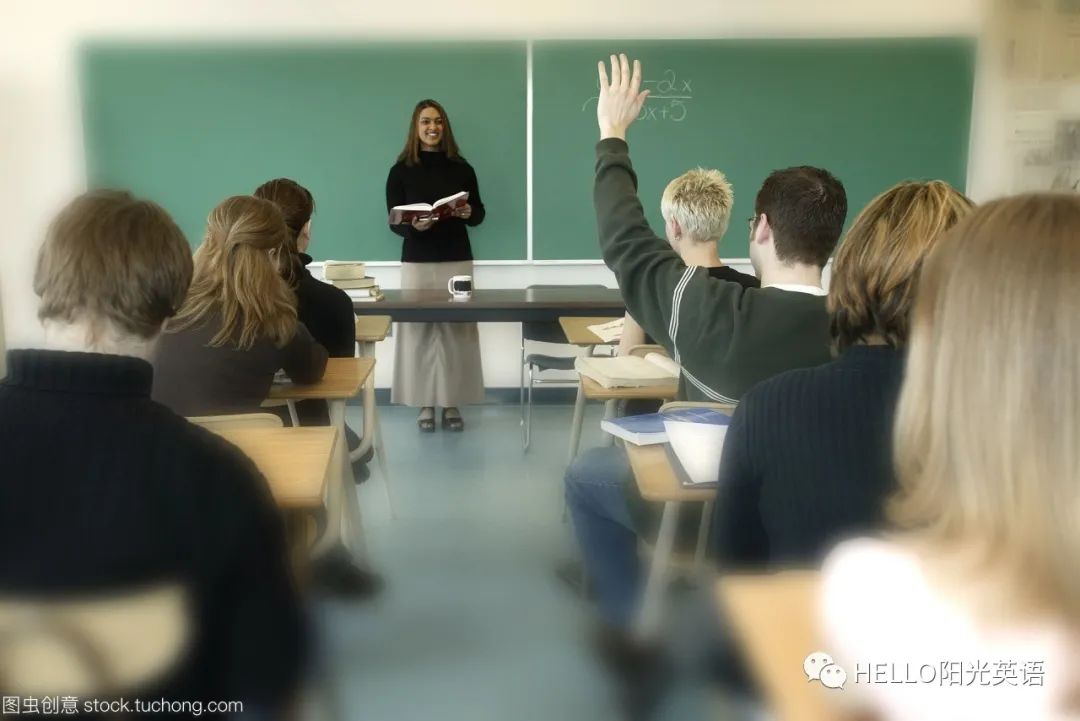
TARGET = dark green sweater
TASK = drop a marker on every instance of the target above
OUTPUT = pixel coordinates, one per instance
(726, 337)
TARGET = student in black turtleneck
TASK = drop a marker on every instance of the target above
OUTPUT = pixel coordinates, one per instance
(325, 310)
(436, 364)
(134, 498)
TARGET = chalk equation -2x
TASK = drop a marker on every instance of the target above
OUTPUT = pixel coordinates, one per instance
(667, 99)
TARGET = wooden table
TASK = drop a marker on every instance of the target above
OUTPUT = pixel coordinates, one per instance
(657, 482)
(508, 306)
(588, 389)
(295, 461)
(344, 378)
(371, 329)
(577, 330)
(774, 617)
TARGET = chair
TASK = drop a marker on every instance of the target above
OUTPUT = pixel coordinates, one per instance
(93, 647)
(216, 424)
(540, 332)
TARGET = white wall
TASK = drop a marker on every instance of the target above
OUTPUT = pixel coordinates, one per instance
(39, 116)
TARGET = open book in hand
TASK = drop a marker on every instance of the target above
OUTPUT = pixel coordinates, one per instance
(629, 371)
(440, 209)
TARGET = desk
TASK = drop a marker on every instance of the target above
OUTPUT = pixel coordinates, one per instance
(371, 329)
(487, 306)
(295, 461)
(588, 389)
(343, 379)
(774, 618)
(577, 330)
(657, 482)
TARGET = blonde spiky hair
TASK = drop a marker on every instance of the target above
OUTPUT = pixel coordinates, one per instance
(700, 201)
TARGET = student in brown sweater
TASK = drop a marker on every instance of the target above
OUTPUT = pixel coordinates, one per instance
(238, 325)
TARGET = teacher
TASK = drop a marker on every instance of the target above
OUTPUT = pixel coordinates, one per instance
(436, 364)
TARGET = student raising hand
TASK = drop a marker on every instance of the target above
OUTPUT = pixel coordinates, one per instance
(620, 99)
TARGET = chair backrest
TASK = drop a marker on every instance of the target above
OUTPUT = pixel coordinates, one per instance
(547, 331)
(725, 408)
(97, 647)
(774, 618)
(217, 424)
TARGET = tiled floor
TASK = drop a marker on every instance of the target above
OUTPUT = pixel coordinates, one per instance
(473, 624)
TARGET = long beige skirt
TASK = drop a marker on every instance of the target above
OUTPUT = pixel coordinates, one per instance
(436, 364)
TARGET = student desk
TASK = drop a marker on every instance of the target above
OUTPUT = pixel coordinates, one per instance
(657, 482)
(343, 379)
(494, 306)
(371, 329)
(295, 461)
(774, 618)
(588, 389)
(577, 330)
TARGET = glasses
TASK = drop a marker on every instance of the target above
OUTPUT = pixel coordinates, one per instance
(752, 221)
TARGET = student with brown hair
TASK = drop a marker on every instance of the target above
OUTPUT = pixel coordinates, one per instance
(980, 578)
(238, 325)
(436, 364)
(326, 311)
(806, 458)
(135, 497)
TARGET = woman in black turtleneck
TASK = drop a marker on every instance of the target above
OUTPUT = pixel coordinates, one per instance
(436, 364)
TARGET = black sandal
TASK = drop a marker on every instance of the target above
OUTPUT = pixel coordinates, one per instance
(427, 425)
(452, 423)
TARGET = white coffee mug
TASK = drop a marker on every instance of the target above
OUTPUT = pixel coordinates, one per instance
(460, 286)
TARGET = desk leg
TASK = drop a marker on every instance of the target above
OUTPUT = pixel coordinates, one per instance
(351, 529)
(611, 410)
(703, 535)
(649, 614)
(575, 427)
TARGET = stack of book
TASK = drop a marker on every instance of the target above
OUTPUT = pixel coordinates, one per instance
(351, 277)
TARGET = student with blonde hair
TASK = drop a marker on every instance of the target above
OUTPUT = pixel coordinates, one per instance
(980, 583)
(238, 325)
(696, 207)
(807, 456)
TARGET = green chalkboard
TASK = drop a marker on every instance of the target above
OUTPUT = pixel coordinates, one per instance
(873, 112)
(188, 125)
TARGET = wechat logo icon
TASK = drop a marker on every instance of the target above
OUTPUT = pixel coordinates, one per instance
(820, 667)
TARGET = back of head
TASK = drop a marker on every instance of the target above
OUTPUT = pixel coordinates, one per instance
(115, 263)
(700, 201)
(237, 278)
(806, 208)
(989, 415)
(297, 206)
(874, 272)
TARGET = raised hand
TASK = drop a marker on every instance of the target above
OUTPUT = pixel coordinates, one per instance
(620, 99)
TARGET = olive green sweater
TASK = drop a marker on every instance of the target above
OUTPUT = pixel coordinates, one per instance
(725, 336)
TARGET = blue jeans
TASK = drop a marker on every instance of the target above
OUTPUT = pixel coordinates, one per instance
(595, 495)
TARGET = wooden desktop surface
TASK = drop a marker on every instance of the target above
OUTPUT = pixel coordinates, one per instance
(372, 328)
(656, 479)
(343, 379)
(774, 618)
(577, 330)
(596, 392)
(505, 305)
(295, 461)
